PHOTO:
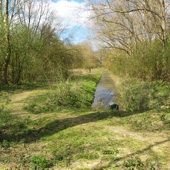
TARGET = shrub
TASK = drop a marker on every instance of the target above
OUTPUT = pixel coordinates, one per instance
(149, 62)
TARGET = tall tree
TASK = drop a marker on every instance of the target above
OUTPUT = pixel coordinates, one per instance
(32, 15)
(7, 42)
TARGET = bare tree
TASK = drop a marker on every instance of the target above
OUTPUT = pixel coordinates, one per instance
(123, 23)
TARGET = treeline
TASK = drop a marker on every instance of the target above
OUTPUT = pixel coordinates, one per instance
(135, 35)
(30, 45)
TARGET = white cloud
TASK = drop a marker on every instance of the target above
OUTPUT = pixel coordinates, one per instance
(72, 13)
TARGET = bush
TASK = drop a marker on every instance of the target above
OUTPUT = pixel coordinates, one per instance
(149, 62)
(139, 95)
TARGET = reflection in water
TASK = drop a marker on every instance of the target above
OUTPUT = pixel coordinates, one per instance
(104, 92)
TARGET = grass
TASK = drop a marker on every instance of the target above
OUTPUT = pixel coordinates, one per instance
(75, 93)
(139, 95)
(82, 138)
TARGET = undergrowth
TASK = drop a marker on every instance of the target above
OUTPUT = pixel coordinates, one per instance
(72, 94)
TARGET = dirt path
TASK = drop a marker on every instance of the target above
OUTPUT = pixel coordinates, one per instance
(17, 103)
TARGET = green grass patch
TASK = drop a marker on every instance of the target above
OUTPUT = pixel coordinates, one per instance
(40, 162)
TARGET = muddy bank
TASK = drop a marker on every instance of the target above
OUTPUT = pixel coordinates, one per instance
(104, 92)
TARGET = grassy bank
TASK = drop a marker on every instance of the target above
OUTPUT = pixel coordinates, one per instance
(76, 93)
(71, 137)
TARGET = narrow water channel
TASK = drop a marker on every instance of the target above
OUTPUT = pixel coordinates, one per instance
(104, 92)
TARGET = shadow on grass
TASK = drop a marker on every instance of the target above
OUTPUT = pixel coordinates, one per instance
(32, 135)
(128, 156)
(23, 86)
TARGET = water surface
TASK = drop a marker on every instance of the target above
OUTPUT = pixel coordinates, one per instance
(104, 92)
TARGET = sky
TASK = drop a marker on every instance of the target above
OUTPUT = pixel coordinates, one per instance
(75, 19)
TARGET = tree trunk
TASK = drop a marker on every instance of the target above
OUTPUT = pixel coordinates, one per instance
(7, 43)
(5, 73)
(0, 9)
(163, 24)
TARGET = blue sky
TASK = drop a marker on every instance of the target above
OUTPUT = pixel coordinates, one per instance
(77, 34)
(75, 19)
(70, 0)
